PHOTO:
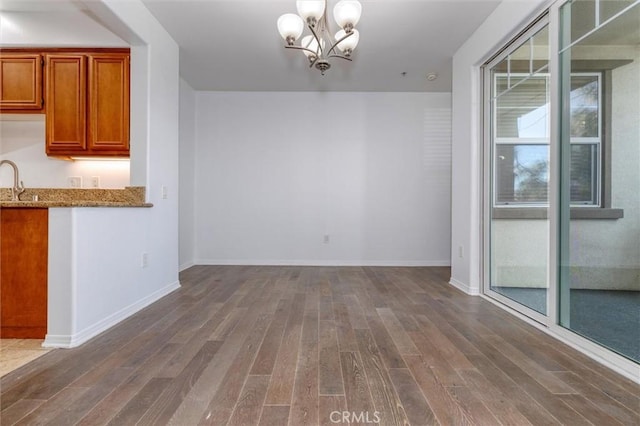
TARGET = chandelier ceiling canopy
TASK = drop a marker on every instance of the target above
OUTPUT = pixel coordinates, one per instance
(320, 45)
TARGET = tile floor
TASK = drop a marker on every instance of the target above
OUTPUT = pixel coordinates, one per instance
(15, 353)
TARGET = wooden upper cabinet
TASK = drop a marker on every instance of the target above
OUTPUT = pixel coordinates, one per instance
(108, 102)
(21, 82)
(86, 96)
(66, 123)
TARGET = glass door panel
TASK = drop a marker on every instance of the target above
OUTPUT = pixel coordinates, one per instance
(517, 146)
(599, 280)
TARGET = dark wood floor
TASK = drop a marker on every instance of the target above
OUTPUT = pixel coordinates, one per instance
(301, 345)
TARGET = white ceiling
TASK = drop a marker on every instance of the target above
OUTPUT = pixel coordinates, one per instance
(234, 44)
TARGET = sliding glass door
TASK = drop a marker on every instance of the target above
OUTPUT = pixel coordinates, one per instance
(600, 173)
(562, 175)
(517, 151)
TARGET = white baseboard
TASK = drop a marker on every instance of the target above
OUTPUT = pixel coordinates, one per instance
(315, 262)
(185, 265)
(71, 341)
(57, 341)
(471, 291)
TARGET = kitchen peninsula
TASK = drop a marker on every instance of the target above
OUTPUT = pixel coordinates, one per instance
(29, 244)
(105, 261)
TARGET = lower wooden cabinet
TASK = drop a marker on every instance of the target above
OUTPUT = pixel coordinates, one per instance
(23, 273)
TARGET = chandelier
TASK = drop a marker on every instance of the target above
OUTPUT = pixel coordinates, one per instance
(321, 45)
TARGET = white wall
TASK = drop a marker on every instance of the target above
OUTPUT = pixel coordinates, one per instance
(64, 28)
(23, 142)
(276, 172)
(187, 176)
(95, 275)
(22, 137)
(507, 19)
(99, 266)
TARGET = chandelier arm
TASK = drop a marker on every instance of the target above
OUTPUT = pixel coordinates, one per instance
(341, 57)
(318, 40)
(333, 47)
(313, 62)
(302, 48)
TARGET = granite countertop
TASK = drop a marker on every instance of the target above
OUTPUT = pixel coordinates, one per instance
(133, 196)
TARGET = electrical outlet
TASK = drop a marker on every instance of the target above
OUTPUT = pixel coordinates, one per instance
(75, 181)
(145, 260)
(95, 181)
(165, 192)
(460, 251)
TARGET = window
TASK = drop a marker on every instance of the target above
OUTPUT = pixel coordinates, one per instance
(586, 138)
(521, 123)
(522, 140)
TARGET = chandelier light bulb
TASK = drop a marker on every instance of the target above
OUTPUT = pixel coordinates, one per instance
(349, 43)
(347, 13)
(311, 43)
(310, 9)
(290, 27)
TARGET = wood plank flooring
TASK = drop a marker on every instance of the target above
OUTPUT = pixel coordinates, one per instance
(273, 346)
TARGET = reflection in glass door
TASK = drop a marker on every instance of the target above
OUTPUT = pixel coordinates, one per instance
(599, 280)
(517, 179)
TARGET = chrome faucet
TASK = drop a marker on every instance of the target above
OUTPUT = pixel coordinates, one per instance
(18, 185)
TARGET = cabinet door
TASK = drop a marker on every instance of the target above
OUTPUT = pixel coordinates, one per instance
(20, 81)
(108, 103)
(66, 127)
(23, 283)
